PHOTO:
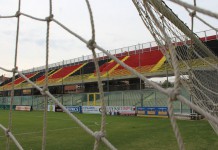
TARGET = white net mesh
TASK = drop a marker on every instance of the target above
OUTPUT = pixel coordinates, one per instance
(195, 59)
(185, 53)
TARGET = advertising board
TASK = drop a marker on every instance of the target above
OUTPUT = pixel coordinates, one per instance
(23, 108)
(152, 111)
(121, 110)
(91, 109)
(77, 109)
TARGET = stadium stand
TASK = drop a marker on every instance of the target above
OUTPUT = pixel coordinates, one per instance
(42, 77)
(65, 72)
(148, 61)
(17, 81)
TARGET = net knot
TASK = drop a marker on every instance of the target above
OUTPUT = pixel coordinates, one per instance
(162, 17)
(7, 132)
(172, 92)
(98, 135)
(192, 14)
(91, 44)
(44, 89)
(17, 14)
(14, 70)
(49, 18)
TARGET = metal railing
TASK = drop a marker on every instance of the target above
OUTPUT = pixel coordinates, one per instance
(146, 97)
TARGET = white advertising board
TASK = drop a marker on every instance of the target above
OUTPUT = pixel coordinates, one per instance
(121, 110)
(91, 109)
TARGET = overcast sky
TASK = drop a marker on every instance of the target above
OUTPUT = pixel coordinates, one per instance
(117, 25)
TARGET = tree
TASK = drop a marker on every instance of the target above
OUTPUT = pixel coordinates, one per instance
(167, 84)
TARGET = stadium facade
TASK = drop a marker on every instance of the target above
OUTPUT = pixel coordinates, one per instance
(78, 75)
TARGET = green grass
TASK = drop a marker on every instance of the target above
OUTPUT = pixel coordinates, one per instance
(126, 133)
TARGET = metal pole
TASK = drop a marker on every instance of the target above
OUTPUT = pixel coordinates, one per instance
(72, 100)
(62, 92)
(155, 99)
(141, 99)
(123, 98)
(140, 81)
(108, 99)
(108, 88)
(21, 101)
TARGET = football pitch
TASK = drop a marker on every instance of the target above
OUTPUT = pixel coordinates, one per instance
(124, 132)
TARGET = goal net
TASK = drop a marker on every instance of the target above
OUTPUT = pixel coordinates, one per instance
(193, 64)
(197, 64)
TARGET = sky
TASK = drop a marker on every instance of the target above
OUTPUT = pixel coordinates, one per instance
(117, 25)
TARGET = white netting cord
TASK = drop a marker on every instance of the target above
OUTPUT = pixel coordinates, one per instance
(154, 31)
(214, 66)
(83, 126)
(32, 17)
(92, 25)
(171, 92)
(126, 66)
(187, 47)
(156, 86)
(12, 16)
(209, 80)
(194, 14)
(171, 49)
(198, 9)
(201, 59)
(214, 126)
(162, 8)
(90, 45)
(184, 100)
(44, 91)
(200, 85)
(48, 19)
(7, 70)
(201, 98)
(204, 90)
(11, 136)
(14, 71)
(78, 121)
(100, 86)
(198, 109)
(99, 135)
(174, 125)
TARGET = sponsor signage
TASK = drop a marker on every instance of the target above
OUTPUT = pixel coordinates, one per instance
(121, 110)
(58, 108)
(152, 111)
(23, 108)
(77, 109)
(110, 110)
(51, 108)
(91, 109)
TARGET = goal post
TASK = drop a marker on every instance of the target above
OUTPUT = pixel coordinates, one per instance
(92, 99)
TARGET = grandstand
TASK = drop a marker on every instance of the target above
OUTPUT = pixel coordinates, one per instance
(71, 80)
(119, 82)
